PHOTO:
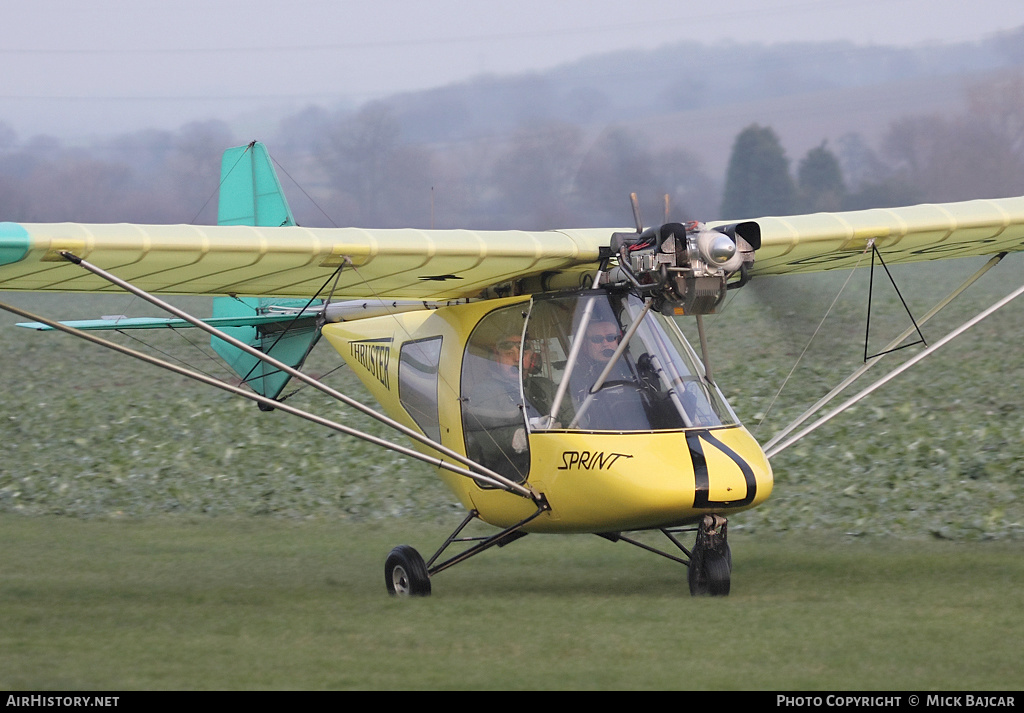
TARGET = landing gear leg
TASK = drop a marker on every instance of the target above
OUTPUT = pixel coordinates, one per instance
(711, 560)
(406, 574)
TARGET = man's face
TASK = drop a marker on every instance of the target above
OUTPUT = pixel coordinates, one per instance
(507, 353)
(601, 341)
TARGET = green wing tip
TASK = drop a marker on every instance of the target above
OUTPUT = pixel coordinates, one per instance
(14, 243)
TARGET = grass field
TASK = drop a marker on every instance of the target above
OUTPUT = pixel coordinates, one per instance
(265, 603)
(156, 535)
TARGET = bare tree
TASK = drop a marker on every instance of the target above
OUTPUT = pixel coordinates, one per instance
(616, 165)
(533, 179)
(381, 181)
(977, 154)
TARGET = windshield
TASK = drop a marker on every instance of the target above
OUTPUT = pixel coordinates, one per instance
(605, 362)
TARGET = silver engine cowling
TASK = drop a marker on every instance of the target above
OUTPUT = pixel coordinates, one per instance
(686, 268)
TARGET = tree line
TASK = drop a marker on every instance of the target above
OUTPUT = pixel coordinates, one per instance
(359, 168)
(975, 153)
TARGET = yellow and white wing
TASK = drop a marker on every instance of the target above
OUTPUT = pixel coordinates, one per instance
(286, 261)
(450, 264)
(829, 241)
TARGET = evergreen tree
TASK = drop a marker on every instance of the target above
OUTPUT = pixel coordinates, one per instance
(758, 181)
(820, 180)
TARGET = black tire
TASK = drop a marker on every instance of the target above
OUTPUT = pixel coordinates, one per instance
(710, 574)
(405, 573)
(717, 570)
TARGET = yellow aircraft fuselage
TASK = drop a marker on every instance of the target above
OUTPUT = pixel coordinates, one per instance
(600, 480)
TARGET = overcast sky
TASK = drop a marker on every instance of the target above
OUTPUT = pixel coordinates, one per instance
(74, 68)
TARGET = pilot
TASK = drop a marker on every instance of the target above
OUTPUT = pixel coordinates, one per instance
(615, 406)
(599, 344)
(602, 339)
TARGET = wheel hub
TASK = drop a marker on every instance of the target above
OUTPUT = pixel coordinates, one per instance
(400, 579)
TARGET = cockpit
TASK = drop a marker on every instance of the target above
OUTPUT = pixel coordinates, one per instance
(593, 361)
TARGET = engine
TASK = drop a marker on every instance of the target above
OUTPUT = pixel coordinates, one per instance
(686, 268)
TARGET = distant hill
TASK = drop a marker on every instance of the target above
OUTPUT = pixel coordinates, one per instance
(568, 146)
(699, 95)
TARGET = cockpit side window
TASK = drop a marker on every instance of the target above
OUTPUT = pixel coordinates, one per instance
(493, 411)
(418, 364)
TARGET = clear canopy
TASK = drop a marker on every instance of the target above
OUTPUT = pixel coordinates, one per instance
(591, 361)
(599, 361)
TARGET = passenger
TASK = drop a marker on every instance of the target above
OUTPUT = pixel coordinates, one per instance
(494, 417)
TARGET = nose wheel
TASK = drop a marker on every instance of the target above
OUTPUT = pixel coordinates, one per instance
(711, 561)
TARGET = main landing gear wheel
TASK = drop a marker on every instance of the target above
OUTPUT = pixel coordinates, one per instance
(711, 562)
(405, 573)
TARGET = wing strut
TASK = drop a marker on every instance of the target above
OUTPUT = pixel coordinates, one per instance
(253, 396)
(776, 447)
(574, 352)
(889, 348)
(490, 476)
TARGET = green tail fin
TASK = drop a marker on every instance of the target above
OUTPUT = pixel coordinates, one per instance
(251, 194)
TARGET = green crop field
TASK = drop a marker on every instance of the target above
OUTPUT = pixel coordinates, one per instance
(158, 535)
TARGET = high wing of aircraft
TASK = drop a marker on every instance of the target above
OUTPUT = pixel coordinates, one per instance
(543, 374)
